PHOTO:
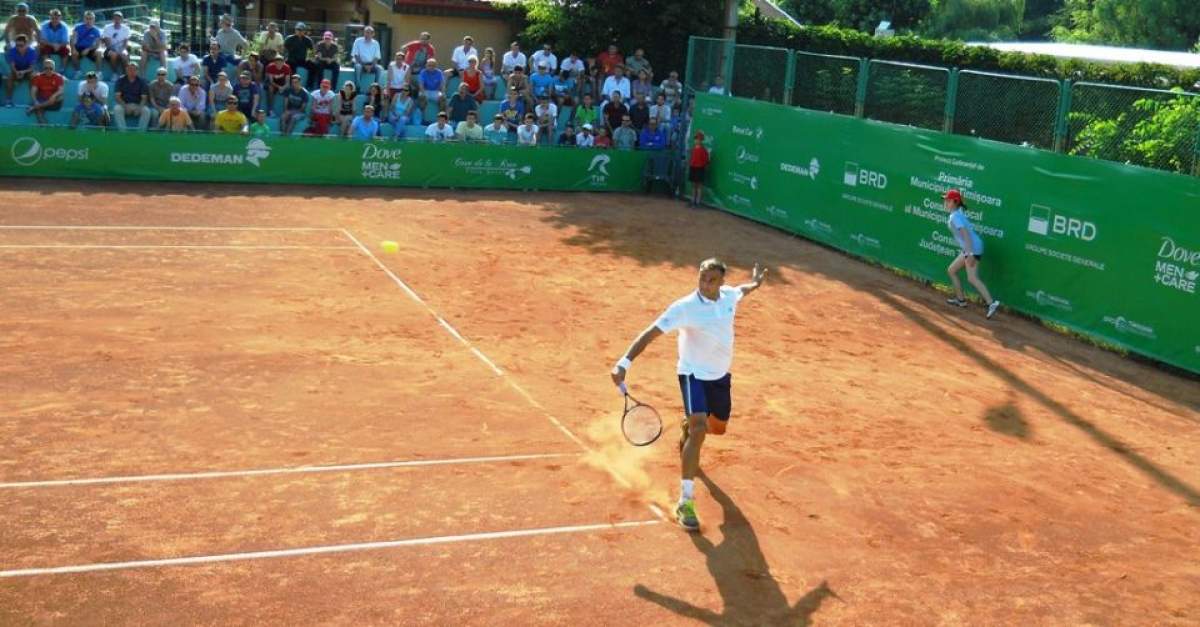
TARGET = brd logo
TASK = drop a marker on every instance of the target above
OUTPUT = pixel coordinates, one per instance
(1044, 221)
(27, 151)
(856, 176)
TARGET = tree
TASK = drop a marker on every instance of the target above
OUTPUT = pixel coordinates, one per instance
(865, 15)
(976, 20)
(811, 11)
(1169, 24)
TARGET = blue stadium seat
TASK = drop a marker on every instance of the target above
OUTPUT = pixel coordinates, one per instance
(487, 110)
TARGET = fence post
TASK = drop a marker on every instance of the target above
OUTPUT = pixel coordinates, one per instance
(860, 97)
(1063, 126)
(727, 65)
(789, 81)
(687, 72)
(951, 101)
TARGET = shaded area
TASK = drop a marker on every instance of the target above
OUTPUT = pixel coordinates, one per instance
(749, 592)
(1008, 420)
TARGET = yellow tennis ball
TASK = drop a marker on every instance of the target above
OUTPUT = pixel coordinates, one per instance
(390, 247)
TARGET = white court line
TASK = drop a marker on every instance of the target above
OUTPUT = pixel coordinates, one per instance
(165, 246)
(317, 550)
(219, 474)
(93, 227)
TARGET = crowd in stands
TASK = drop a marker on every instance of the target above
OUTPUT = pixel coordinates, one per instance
(273, 83)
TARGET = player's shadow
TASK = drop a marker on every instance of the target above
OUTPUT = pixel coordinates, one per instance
(749, 592)
(1007, 419)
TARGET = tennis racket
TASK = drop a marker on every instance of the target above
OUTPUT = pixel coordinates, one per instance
(640, 423)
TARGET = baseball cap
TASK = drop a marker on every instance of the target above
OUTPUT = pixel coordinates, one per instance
(90, 75)
(22, 5)
(117, 14)
(301, 26)
(587, 127)
(162, 70)
(954, 195)
(700, 135)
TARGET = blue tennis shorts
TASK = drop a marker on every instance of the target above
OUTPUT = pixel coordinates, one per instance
(706, 397)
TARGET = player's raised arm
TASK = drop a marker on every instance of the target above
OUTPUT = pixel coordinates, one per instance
(635, 349)
(756, 280)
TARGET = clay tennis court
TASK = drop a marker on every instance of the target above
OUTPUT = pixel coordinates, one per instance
(219, 408)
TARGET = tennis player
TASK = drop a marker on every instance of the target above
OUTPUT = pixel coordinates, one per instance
(704, 320)
(972, 253)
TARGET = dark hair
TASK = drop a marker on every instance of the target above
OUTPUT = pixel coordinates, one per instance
(712, 263)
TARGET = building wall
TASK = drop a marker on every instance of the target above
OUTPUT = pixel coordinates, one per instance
(447, 32)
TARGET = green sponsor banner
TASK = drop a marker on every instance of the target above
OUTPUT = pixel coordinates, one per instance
(1109, 250)
(61, 153)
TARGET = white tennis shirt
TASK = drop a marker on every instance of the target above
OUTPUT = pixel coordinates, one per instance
(705, 332)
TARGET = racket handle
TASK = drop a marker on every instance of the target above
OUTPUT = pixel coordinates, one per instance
(624, 390)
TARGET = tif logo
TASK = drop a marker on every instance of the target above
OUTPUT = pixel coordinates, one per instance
(855, 176)
(257, 150)
(1044, 221)
(600, 164)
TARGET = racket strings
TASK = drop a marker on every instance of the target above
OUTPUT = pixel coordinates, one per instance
(641, 425)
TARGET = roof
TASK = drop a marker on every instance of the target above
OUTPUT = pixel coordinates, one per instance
(1101, 54)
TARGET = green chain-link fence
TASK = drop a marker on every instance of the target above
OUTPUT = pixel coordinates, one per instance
(826, 82)
(1013, 109)
(1146, 127)
(904, 93)
(708, 59)
(760, 73)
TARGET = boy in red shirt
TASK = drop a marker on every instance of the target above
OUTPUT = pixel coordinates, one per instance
(278, 72)
(698, 166)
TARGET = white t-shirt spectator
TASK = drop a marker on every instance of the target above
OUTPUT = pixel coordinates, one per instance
(540, 57)
(662, 112)
(527, 135)
(717, 89)
(99, 92)
(323, 103)
(117, 36)
(573, 64)
(469, 133)
(511, 61)
(705, 332)
(196, 103)
(618, 83)
(461, 54)
(549, 107)
(585, 140)
(365, 51)
(442, 134)
(186, 67)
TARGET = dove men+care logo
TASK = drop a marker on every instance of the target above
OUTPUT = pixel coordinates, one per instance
(256, 152)
(28, 152)
(1177, 266)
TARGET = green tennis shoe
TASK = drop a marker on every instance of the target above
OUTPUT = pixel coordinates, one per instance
(686, 515)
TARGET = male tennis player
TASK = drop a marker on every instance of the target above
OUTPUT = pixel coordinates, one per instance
(704, 320)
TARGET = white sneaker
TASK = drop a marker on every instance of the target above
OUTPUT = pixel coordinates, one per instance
(993, 308)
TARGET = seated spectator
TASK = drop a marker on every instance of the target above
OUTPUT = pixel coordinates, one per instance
(491, 73)
(574, 65)
(473, 79)
(174, 119)
(92, 84)
(343, 106)
(419, 50)
(546, 108)
(55, 38)
(22, 23)
(602, 139)
(365, 127)
(567, 137)
(661, 111)
(377, 99)
(460, 60)
(215, 61)
(513, 110)
(470, 131)
(270, 43)
(542, 82)
(366, 55)
(718, 86)
(518, 82)
(585, 113)
(186, 65)
(545, 57)
(231, 120)
(161, 92)
(585, 139)
(591, 83)
(229, 39)
(47, 91)
(195, 102)
(545, 128)
(672, 89)
(564, 89)
(512, 60)
(461, 104)
(321, 118)
(402, 112)
(609, 62)
(278, 73)
(249, 95)
(638, 63)
(653, 137)
(327, 57)
(614, 111)
(295, 101)
(85, 40)
(497, 132)
(90, 112)
(218, 92)
(115, 37)
(625, 137)
(643, 89)
(433, 86)
(527, 133)
(22, 65)
(640, 114)
(255, 67)
(618, 82)
(133, 98)
(298, 47)
(441, 130)
(259, 127)
(154, 46)
(397, 75)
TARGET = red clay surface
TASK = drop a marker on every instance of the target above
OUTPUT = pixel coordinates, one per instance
(890, 461)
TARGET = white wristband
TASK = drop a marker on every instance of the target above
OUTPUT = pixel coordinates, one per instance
(623, 363)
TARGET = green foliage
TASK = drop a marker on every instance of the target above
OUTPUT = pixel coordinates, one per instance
(1170, 24)
(1154, 132)
(1040, 18)
(976, 20)
(811, 11)
(865, 15)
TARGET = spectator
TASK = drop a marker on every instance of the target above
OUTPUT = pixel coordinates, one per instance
(278, 73)
(366, 56)
(625, 138)
(219, 92)
(672, 89)
(154, 46)
(55, 38)
(89, 111)
(653, 137)
(640, 114)
(697, 167)
(518, 82)
(195, 102)
(527, 133)
(470, 130)
(546, 124)
(567, 137)
(270, 43)
(512, 60)
(591, 83)
(638, 63)
(546, 108)
(440, 130)
(322, 110)
(618, 82)
(295, 101)
(248, 94)
(85, 40)
(365, 127)
(255, 67)
(173, 118)
(402, 111)
(497, 133)
(229, 39)
(161, 92)
(513, 111)
(47, 91)
(186, 65)
(215, 62)
(609, 62)
(602, 139)
(542, 82)
(433, 85)
(574, 65)
(614, 110)
(133, 98)
(473, 79)
(585, 113)
(642, 88)
(718, 86)
(376, 99)
(584, 139)
(545, 57)
(419, 50)
(326, 58)
(259, 127)
(115, 37)
(661, 111)
(343, 106)
(21, 23)
(487, 65)
(460, 61)
(299, 47)
(230, 120)
(461, 104)
(92, 84)
(22, 65)
(397, 75)
(564, 89)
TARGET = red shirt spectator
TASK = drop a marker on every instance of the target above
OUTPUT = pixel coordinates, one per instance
(699, 153)
(418, 51)
(278, 73)
(47, 84)
(609, 60)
